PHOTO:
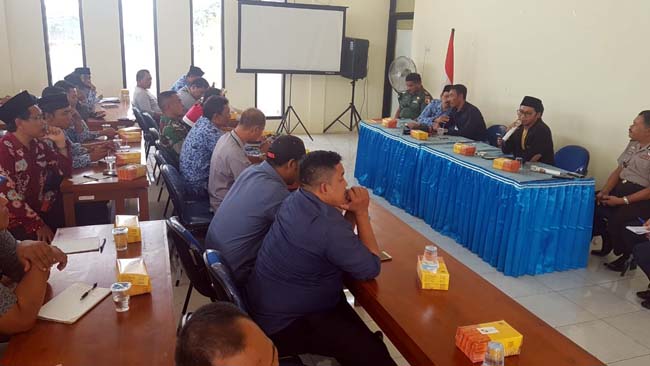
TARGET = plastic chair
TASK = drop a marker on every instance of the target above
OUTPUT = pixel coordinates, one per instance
(193, 215)
(492, 132)
(149, 123)
(573, 158)
(189, 251)
(221, 278)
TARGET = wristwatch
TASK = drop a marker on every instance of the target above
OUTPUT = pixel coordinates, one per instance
(627, 202)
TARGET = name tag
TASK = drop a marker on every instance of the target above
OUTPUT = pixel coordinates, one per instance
(86, 198)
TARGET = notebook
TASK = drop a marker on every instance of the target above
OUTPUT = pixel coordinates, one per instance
(73, 246)
(639, 230)
(67, 307)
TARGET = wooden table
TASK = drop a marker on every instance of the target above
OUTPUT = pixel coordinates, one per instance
(422, 323)
(118, 117)
(144, 335)
(79, 189)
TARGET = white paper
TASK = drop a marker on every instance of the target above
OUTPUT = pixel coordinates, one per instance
(81, 245)
(67, 307)
(639, 230)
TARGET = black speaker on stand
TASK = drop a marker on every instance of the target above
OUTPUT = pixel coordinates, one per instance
(354, 65)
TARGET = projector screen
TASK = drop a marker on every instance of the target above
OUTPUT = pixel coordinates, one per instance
(290, 38)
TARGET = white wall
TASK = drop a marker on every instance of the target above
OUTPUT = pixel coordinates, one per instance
(586, 59)
(318, 99)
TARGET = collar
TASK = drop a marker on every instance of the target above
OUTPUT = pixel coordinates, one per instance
(268, 169)
(235, 137)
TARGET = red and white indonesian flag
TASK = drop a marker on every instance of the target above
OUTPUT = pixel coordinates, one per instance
(449, 61)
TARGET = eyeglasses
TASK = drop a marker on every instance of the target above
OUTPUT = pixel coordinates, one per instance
(36, 118)
(525, 113)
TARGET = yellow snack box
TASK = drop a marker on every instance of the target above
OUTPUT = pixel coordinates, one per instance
(133, 224)
(131, 171)
(506, 164)
(419, 135)
(130, 134)
(389, 122)
(130, 157)
(135, 271)
(433, 281)
(473, 339)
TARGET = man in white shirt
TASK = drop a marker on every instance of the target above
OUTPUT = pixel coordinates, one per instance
(142, 97)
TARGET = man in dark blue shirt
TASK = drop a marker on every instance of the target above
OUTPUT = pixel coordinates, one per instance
(465, 119)
(249, 208)
(295, 292)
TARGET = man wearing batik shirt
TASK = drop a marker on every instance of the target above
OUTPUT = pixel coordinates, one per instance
(79, 131)
(172, 128)
(87, 90)
(33, 168)
(185, 80)
(85, 110)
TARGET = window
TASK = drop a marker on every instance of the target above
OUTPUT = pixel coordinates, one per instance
(63, 35)
(269, 90)
(139, 50)
(207, 39)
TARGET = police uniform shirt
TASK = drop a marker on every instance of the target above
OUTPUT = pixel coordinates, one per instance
(635, 161)
(411, 105)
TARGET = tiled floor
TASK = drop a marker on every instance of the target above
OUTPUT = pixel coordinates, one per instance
(594, 307)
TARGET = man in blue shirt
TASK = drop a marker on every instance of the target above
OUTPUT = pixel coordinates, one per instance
(249, 208)
(295, 292)
(435, 113)
(185, 80)
(200, 142)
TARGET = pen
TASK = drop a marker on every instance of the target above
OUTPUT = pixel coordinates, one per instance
(642, 221)
(89, 177)
(87, 292)
(101, 248)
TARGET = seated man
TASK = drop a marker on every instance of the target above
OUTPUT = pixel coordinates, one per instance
(57, 112)
(532, 140)
(27, 265)
(187, 79)
(192, 93)
(642, 257)
(196, 112)
(86, 110)
(172, 129)
(465, 119)
(295, 292)
(220, 334)
(435, 113)
(626, 194)
(142, 97)
(33, 168)
(413, 101)
(79, 131)
(229, 157)
(249, 208)
(200, 142)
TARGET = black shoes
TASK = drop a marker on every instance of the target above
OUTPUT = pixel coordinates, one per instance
(646, 304)
(645, 295)
(622, 264)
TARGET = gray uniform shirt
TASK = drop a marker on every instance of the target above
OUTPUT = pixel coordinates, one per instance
(145, 101)
(9, 266)
(635, 161)
(227, 162)
(186, 98)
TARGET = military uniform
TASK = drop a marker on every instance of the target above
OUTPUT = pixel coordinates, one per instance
(411, 105)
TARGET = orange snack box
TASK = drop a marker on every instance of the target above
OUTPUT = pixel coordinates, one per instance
(131, 171)
(419, 135)
(129, 157)
(464, 149)
(130, 134)
(389, 122)
(506, 164)
(473, 340)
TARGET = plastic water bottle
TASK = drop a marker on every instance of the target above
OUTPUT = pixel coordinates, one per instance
(430, 258)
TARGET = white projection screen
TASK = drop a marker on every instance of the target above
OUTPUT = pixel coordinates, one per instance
(290, 38)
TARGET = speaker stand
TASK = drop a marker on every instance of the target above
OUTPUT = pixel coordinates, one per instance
(285, 123)
(355, 117)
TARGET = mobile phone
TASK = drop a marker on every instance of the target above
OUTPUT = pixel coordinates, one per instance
(384, 257)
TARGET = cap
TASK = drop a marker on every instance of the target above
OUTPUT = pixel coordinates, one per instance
(53, 102)
(195, 71)
(18, 104)
(285, 148)
(82, 70)
(73, 79)
(533, 102)
(51, 90)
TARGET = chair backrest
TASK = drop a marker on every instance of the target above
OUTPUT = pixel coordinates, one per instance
(492, 132)
(221, 277)
(154, 134)
(175, 186)
(170, 156)
(189, 250)
(149, 121)
(139, 119)
(573, 158)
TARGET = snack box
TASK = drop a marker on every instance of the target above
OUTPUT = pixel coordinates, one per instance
(419, 135)
(135, 271)
(130, 134)
(131, 222)
(433, 280)
(128, 157)
(464, 149)
(389, 122)
(131, 171)
(473, 340)
(506, 164)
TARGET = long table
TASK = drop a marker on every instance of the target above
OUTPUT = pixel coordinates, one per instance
(144, 335)
(118, 115)
(80, 189)
(520, 223)
(422, 323)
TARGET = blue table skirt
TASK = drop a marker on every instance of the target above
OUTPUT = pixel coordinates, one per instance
(519, 228)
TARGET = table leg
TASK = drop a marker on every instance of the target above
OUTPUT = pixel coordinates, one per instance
(143, 204)
(68, 210)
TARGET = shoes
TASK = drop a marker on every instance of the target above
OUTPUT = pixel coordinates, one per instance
(645, 295)
(646, 304)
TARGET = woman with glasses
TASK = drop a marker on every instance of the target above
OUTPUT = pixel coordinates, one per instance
(532, 139)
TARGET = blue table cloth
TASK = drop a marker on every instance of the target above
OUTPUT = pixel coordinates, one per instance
(520, 223)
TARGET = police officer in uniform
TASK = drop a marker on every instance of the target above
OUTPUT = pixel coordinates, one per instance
(626, 195)
(414, 100)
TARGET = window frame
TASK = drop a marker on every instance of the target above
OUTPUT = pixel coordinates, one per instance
(155, 38)
(223, 41)
(46, 39)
